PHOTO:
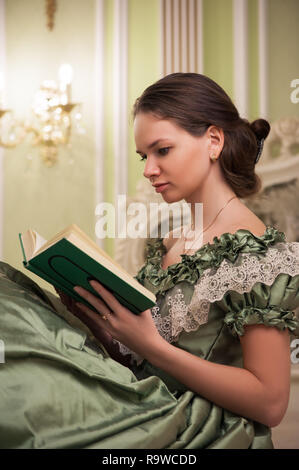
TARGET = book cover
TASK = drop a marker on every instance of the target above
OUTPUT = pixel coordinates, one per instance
(64, 266)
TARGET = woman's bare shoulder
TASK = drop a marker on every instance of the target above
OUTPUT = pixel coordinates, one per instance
(255, 225)
(241, 217)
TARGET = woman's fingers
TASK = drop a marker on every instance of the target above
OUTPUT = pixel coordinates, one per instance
(65, 299)
(103, 307)
(95, 320)
(107, 296)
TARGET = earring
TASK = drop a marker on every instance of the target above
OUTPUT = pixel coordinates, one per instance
(213, 158)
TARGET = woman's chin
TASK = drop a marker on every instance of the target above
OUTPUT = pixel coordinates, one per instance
(170, 199)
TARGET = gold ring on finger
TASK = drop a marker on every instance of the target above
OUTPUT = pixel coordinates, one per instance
(104, 317)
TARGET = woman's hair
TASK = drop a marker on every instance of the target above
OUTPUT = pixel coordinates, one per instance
(194, 102)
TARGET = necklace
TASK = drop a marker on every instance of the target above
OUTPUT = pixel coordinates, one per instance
(204, 230)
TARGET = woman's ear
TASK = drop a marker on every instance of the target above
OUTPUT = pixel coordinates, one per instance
(216, 140)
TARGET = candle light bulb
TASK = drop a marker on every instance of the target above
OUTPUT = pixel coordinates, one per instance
(66, 74)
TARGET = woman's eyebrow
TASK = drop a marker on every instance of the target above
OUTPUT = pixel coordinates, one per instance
(152, 144)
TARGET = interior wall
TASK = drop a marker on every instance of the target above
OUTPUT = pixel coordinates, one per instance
(37, 197)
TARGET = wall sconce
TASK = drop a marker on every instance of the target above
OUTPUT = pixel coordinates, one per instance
(51, 124)
(52, 121)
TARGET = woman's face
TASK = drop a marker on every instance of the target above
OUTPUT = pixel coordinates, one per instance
(172, 156)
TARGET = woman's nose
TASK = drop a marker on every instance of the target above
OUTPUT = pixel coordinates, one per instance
(151, 169)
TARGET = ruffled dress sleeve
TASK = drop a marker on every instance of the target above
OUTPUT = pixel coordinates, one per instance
(258, 288)
(270, 305)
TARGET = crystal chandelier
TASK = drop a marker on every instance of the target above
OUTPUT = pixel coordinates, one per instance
(51, 123)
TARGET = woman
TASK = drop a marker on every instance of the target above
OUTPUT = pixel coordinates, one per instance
(209, 365)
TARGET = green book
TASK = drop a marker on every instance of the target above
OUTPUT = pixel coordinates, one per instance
(71, 259)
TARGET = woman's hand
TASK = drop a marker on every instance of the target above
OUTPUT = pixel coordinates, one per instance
(68, 301)
(137, 332)
(99, 333)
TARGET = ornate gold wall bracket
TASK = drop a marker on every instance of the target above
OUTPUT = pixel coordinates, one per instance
(51, 7)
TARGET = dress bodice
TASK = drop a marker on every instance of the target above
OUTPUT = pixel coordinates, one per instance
(204, 302)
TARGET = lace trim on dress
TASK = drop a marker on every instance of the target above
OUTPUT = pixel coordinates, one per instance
(227, 246)
(240, 276)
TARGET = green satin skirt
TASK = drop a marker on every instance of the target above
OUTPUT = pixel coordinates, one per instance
(58, 389)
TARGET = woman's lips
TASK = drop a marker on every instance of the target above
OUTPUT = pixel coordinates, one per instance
(161, 188)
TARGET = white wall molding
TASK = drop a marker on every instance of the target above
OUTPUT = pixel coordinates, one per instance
(263, 55)
(199, 36)
(240, 9)
(192, 31)
(99, 105)
(167, 62)
(182, 36)
(120, 97)
(3, 72)
(162, 41)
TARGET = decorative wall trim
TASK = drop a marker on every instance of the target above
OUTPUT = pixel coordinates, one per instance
(199, 35)
(240, 12)
(99, 105)
(120, 92)
(161, 31)
(263, 57)
(3, 71)
(182, 36)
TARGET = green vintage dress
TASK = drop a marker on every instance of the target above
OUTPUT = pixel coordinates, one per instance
(58, 389)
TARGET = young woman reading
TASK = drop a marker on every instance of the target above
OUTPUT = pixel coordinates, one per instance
(209, 365)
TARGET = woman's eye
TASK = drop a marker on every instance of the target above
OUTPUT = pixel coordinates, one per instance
(163, 151)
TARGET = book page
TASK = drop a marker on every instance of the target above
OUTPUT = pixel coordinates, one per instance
(39, 241)
(32, 242)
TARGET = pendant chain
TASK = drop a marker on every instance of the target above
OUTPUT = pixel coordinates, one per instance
(204, 230)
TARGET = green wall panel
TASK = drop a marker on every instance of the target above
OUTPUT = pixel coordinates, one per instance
(283, 56)
(108, 112)
(143, 68)
(253, 61)
(218, 42)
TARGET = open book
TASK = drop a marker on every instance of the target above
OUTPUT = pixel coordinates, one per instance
(71, 258)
